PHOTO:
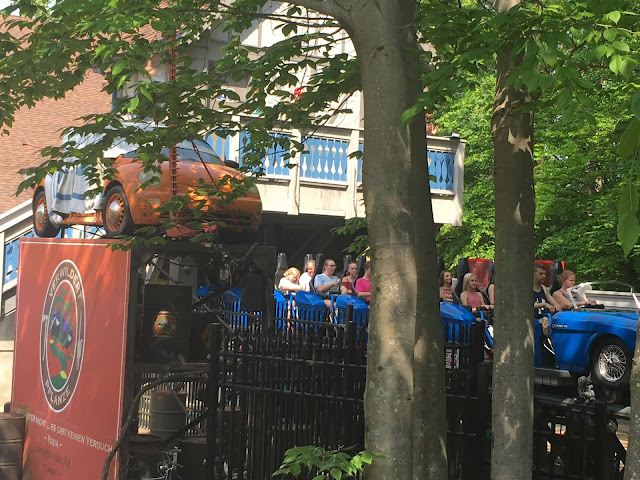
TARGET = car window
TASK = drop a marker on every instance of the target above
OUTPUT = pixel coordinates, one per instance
(186, 153)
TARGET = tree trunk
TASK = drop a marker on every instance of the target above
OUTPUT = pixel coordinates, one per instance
(632, 462)
(512, 130)
(404, 398)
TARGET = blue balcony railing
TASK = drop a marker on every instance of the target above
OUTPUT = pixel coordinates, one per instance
(274, 162)
(441, 167)
(220, 145)
(324, 159)
(11, 255)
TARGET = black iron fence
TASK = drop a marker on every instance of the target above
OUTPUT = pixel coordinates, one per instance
(575, 441)
(280, 388)
(303, 384)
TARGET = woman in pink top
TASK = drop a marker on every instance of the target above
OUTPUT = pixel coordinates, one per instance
(470, 295)
(363, 284)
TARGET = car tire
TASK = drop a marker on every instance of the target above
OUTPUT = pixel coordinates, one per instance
(116, 214)
(611, 363)
(42, 226)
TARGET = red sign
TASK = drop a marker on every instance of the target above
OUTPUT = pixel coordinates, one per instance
(69, 357)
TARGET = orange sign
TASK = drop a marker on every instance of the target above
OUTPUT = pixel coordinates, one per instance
(69, 358)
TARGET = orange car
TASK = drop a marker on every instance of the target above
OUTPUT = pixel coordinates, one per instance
(125, 206)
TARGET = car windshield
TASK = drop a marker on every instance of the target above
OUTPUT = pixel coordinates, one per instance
(186, 152)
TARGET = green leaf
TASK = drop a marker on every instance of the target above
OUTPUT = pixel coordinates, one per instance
(133, 104)
(289, 28)
(550, 57)
(611, 34)
(546, 82)
(410, 113)
(630, 141)
(628, 202)
(599, 51)
(628, 231)
(118, 67)
(622, 46)
(614, 16)
(564, 99)
(626, 68)
(635, 104)
(336, 473)
(584, 83)
(367, 457)
(615, 64)
(143, 90)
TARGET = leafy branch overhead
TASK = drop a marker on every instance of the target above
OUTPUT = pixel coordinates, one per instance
(254, 89)
(561, 44)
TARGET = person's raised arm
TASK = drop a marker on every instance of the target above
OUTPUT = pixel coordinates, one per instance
(551, 301)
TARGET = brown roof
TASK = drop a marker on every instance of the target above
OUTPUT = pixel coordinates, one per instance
(42, 126)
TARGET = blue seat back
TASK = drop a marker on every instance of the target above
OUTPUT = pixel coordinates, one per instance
(231, 305)
(360, 310)
(309, 307)
(282, 307)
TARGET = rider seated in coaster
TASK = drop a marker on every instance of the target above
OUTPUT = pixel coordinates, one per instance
(471, 296)
(350, 277)
(326, 281)
(563, 296)
(542, 299)
(362, 286)
(446, 287)
(289, 281)
(307, 276)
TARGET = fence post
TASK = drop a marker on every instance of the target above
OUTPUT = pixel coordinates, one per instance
(213, 385)
(604, 447)
(347, 391)
(477, 352)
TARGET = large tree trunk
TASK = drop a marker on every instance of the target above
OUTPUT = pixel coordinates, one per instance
(632, 462)
(512, 422)
(404, 398)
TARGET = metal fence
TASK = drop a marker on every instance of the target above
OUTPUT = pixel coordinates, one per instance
(575, 441)
(270, 390)
(274, 390)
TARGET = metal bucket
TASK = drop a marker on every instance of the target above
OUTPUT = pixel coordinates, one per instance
(193, 452)
(11, 444)
(167, 412)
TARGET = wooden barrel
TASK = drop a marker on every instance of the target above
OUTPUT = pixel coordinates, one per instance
(11, 444)
(167, 414)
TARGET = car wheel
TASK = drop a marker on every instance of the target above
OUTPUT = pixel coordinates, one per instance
(611, 363)
(42, 226)
(116, 215)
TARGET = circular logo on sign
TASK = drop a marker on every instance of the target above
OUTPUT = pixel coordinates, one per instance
(62, 333)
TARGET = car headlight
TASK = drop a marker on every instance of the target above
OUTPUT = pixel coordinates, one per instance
(150, 178)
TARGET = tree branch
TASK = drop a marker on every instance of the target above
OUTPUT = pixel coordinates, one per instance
(338, 9)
